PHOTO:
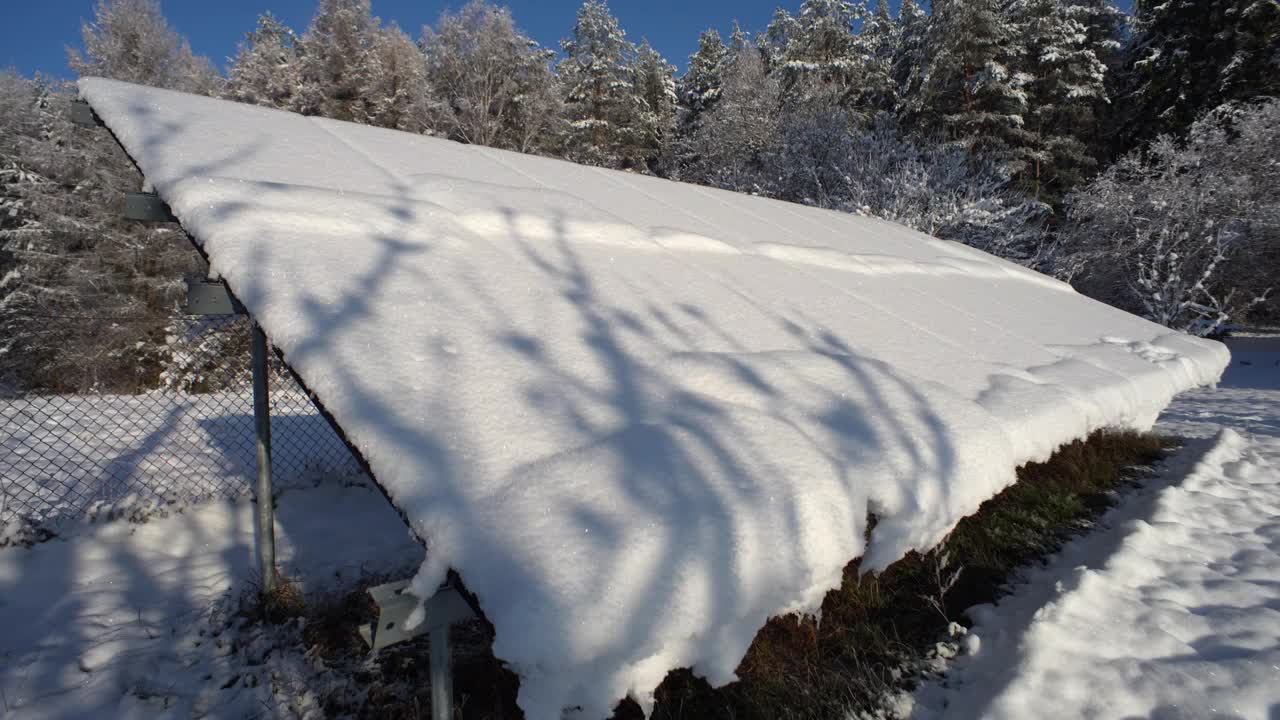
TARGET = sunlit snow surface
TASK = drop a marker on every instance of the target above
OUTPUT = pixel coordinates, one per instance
(638, 417)
(1169, 609)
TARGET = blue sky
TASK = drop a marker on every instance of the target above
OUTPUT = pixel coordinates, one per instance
(34, 33)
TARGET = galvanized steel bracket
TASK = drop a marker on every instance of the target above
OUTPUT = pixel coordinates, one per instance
(146, 207)
(396, 604)
(83, 115)
(446, 607)
(210, 297)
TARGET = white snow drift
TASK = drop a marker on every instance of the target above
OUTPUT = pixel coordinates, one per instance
(638, 417)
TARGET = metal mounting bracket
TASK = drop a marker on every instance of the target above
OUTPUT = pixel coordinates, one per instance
(210, 297)
(395, 604)
(147, 207)
(443, 610)
(83, 115)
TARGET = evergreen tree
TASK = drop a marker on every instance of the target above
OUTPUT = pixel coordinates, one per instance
(266, 68)
(491, 83)
(1105, 29)
(699, 88)
(878, 43)
(600, 96)
(1065, 79)
(1254, 68)
(130, 40)
(734, 146)
(971, 92)
(777, 37)
(822, 62)
(395, 95)
(654, 81)
(337, 60)
(910, 60)
(739, 40)
(1190, 56)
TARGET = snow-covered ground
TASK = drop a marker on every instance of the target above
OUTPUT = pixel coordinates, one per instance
(1172, 611)
(126, 620)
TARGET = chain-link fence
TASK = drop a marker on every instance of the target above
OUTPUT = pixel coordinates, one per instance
(191, 436)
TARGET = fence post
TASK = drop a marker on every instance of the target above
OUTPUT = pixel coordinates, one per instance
(262, 423)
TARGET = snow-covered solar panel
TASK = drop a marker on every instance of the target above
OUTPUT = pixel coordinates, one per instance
(638, 417)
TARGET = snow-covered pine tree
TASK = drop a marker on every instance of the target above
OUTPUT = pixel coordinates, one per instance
(699, 88)
(266, 68)
(1105, 25)
(1105, 29)
(733, 147)
(1190, 56)
(910, 61)
(1254, 68)
(601, 103)
(1066, 80)
(777, 36)
(395, 95)
(130, 40)
(337, 53)
(654, 81)
(538, 124)
(823, 62)
(878, 42)
(490, 83)
(740, 40)
(972, 93)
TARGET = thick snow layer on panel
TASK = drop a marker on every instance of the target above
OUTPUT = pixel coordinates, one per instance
(638, 417)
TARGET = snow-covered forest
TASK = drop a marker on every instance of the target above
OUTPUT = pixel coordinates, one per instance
(1134, 156)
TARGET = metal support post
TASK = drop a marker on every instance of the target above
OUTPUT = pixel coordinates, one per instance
(441, 674)
(262, 423)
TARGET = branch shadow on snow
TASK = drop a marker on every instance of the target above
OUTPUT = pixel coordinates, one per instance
(997, 667)
(90, 621)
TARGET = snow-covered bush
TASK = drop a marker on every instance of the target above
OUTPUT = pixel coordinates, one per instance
(1187, 233)
(84, 295)
(942, 190)
(938, 188)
